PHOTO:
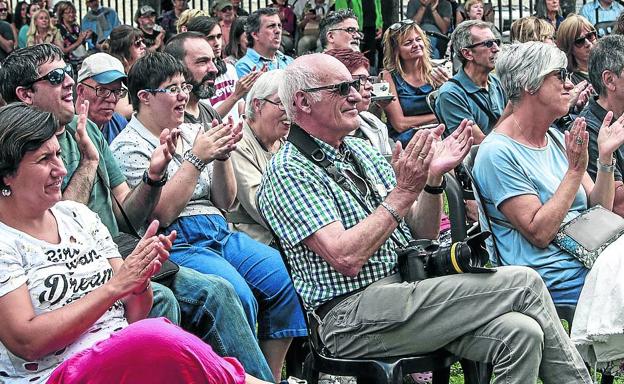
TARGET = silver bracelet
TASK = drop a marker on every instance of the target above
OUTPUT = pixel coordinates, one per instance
(606, 168)
(392, 211)
(193, 159)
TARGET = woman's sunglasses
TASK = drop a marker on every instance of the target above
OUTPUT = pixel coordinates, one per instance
(344, 88)
(55, 76)
(589, 36)
(137, 43)
(401, 24)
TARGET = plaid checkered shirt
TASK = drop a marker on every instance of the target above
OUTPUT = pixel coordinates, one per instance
(298, 197)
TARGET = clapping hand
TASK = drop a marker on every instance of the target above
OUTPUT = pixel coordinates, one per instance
(579, 95)
(244, 84)
(439, 75)
(450, 152)
(576, 140)
(217, 142)
(610, 136)
(88, 151)
(163, 154)
(411, 165)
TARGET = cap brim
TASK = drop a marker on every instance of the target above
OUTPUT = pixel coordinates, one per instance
(109, 77)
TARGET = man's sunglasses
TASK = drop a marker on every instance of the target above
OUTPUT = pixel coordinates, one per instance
(344, 88)
(3, 10)
(55, 76)
(486, 43)
(589, 36)
(401, 24)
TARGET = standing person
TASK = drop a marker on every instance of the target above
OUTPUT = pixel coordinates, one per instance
(22, 37)
(203, 183)
(74, 40)
(550, 11)
(169, 21)
(153, 34)
(264, 36)
(289, 25)
(408, 70)
(309, 25)
(576, 37)
(238, 9)
(224, 12)
(236, 47)
(370, 21)
(187, 16)
(474, 93)
(431, 16)
(206, 305)
(342, 245)
(42, 32)
(101, 20)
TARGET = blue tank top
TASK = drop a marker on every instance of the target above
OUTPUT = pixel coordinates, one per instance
(413, 100)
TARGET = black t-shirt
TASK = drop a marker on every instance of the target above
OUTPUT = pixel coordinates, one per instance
(7, 33)
(206, 115)
(369, 16)
(150, 38)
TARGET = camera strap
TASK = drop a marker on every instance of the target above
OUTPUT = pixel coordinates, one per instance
(313, 152)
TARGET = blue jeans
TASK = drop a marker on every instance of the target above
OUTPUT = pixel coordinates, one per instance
(257, 272)
(208, 307)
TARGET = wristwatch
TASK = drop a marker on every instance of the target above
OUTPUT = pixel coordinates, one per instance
(155, 183)
(436, 190)
(193, 159)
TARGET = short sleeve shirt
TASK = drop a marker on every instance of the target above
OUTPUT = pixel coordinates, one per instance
(428, 22)
(505, 168)
(109, 175)
(56, 275)
(297, 198)
(7, 34)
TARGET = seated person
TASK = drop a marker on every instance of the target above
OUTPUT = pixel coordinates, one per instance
(529, 185)
(601, 11)
(433, 16)
(606, 62)
(71, 309)
(408, 70)
(576, 37)
(532, 28)
(309, 24)
(200, 184)
(264, 130)
(341, 245)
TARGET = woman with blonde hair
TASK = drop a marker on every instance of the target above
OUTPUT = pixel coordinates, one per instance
(532, 28)
(576, 37)
(41, 31)
(408, 69)
(186, 16)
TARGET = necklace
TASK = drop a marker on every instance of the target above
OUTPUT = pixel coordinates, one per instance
(520, 132)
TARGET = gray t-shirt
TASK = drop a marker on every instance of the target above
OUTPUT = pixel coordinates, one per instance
(7, 33)
(428, 22)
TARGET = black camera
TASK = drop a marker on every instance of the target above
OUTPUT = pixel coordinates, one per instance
(423, 259)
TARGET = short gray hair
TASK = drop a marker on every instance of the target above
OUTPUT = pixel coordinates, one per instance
(462, 36)
(298, 76)
(607, 54)
(266, 85)
(522, 67)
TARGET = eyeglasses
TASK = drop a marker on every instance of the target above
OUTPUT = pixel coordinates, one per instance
(344, 88)
(364, 78)
(173, 90)
(278, 104)
(401, 24)
(105, 93)
(589, 36)
(486, 43)
(3, 10)
(562, 74)
(353, 31)
(55, 76)
(137, 43)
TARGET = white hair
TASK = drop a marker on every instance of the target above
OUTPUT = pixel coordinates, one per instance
(266, 85)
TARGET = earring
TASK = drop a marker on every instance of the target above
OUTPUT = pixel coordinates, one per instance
(6, 191)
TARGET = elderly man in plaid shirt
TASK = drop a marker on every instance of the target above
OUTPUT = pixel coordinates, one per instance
(340, 238)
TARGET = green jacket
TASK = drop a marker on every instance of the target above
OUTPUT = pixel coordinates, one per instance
(356, 6)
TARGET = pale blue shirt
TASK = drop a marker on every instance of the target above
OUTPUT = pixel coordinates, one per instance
(611, 13)
(505, 168)
(253, 59)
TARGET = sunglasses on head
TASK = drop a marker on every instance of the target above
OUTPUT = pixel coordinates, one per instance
(401, 24)
(486, 43)
(55, 76)
(344, 88)
(589, 36)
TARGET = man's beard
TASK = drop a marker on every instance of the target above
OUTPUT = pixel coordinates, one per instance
(203, 90)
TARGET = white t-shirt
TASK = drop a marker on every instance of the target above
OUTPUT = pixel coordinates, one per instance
(225, 85)
(56, 275)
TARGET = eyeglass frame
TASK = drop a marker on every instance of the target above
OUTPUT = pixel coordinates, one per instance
(355, 84)
(485, 44)
(119, 93)
(186, 88)
(278, 104)
(580, 41)
(364, 78)
(137, 43)
(4, 10)
(401, 24)
(67, 70)
(350, 30)
(562, 74)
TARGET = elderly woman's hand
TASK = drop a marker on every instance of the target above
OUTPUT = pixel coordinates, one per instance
(610, 137)
(576, 140)
(411, 165)
(217, 142)
(450, 152)
(439, 76)
(143, 262)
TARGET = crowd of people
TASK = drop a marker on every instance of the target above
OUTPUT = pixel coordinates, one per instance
(231, 141)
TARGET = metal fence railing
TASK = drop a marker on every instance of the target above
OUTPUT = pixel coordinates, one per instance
(505, 11)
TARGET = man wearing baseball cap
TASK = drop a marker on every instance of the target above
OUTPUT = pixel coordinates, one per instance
(100, 81)
(153, 34)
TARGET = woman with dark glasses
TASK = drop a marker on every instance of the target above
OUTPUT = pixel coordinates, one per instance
(576, 37)
(408, 70)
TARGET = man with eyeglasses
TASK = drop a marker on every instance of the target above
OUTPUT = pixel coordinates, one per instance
(340, 225)
(7, 39)
(206, 305)
(100, 82)
(474, 93)
(370, 21)
(340, 29)
(264, 36)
